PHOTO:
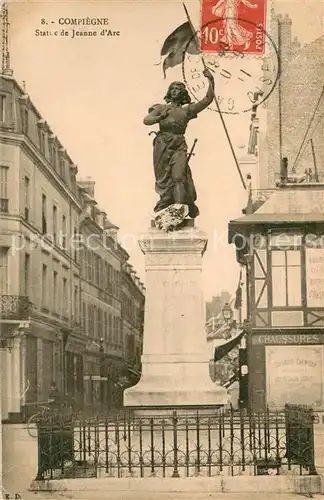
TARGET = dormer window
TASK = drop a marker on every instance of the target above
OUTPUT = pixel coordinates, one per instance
(42, 141)
(73, 172)
(42, 136)
(53, 153)
(26, 121)
(24, 114)
(62, 163)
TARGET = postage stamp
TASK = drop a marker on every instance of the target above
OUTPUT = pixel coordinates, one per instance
(242, 80)
(233, 25)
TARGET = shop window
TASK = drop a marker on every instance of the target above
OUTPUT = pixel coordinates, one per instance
(286, 278)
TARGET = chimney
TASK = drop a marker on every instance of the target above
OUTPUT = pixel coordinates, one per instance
(284, 170)
(296, 45)
(285, 42)
(88, 185)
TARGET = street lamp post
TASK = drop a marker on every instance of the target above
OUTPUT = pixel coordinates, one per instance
(242, 358)
(227, 312)
(243, 373)
(102, 371)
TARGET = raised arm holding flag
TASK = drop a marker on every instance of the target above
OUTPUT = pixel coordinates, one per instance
(184, 39)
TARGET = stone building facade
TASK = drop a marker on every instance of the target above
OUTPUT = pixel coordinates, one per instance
(58, 298)
(293, 113)
(132, 306)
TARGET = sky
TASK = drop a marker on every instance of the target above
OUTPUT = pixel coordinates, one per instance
(94, 93)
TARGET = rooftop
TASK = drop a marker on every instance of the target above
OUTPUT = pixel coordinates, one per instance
(290, 203)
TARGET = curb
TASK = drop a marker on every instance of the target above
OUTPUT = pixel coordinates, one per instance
(305, 485)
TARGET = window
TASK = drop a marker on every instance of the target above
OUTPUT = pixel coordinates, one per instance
(286, 278)
(55, 295)
(105, 332)
(97, 270)
(52, 153)
(100, 321)
(110, 270)
(3, 270)
(75, 244)
(110, 327)
(27, 197)
(90, 325)
(76, 304)
(101, 274)
(84, 317)
(54, 223)
(119, 330)
(64, 235)
(115, 340)
(118, 284)
(42, 140)
(2, 108)
(95, 320)
(44, 286)
(90, 268)
(113, 279)
(105, 275)
(62, 167)
(65, 297)
(73, 181)
(26, 121)
(26, 274)
(84, 263)
(4, 189)
(44, 214)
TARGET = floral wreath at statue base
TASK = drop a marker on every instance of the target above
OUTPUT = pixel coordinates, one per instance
(170, 218)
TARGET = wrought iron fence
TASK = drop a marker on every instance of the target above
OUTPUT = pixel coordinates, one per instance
(176, 445)
(300, 435)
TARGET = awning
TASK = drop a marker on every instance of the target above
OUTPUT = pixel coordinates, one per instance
(221, 350)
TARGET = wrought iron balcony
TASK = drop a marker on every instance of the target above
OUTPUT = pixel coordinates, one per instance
(14, 307)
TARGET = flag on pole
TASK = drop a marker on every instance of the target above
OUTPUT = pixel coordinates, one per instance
(238, 294)
(183, 39)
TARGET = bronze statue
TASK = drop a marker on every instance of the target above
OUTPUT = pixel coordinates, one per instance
(173, 178)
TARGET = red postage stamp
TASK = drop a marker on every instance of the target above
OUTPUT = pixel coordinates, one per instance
(233, 26)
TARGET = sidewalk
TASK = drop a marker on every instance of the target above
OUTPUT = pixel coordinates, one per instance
(145, 495)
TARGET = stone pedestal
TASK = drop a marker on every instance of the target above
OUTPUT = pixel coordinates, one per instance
(19, 457)
(175, 360)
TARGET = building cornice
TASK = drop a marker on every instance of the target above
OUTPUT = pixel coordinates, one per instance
(129, 279)
(107, 241)
(23, 142)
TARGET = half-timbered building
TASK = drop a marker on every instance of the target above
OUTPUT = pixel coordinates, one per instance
(281, 244)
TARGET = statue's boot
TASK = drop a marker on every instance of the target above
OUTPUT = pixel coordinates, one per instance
(193, 211)
(179, 193)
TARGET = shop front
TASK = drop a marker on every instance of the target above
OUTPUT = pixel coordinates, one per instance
(281, 245)
(287, 366)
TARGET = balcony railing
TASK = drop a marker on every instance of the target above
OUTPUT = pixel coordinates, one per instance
(14, 307)
(4, 205)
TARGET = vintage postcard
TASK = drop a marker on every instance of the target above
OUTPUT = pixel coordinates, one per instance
(161, 247)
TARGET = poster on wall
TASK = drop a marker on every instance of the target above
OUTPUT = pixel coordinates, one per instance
(315, 277)
(294, 375)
